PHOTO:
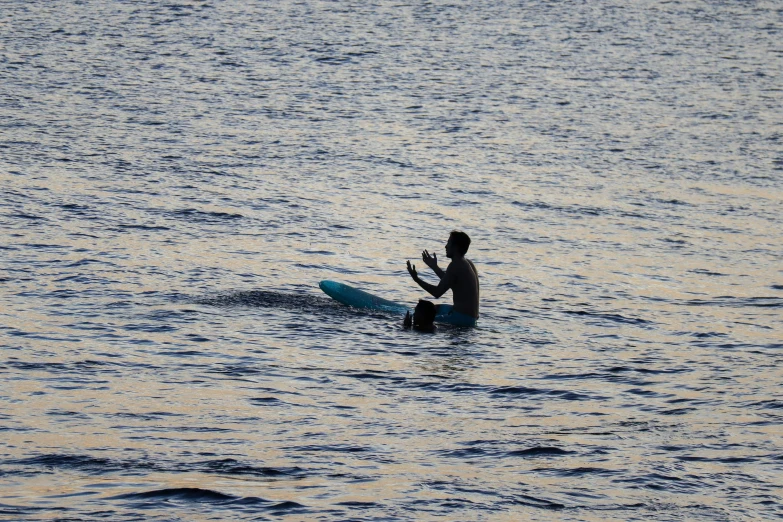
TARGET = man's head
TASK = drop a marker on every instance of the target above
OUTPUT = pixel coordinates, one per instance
(424, 314)
(458, 244)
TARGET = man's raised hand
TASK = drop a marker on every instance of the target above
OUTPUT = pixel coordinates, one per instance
(412, 271)
(430, 260)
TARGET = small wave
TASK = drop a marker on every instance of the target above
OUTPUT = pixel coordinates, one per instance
(497, 391)
(459, 387)
(774, 404)
(499, 449)
(539, 451)
(527, 500)
(331, 448)
(268, 401)
(200, 216)
(234, 467)
(615, 318)
(189, 494)
(704, 271)
(618, 369)
(334, 60)
(149, 328)
(645, 393)
(743, 346)
(525, 391)
(152, 228)
(149, 416)
(574, 210)
(266, 299)
(100, 465)
(318, 252)
(677, 242)
(661, 482)
(677, 411)
(373, 374)
(80, 462)
(577, 472)
(207, 496)
(465, 453)
(723, 460)
(29, 217)
(88, 261)
(243, 371)
(17, 511)
(673, 202)
(357, 504)
(41, 246)
(73, 206)
(737, 302)
(703, 335)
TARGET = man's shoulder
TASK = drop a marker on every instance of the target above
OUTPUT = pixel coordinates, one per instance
(460, 265)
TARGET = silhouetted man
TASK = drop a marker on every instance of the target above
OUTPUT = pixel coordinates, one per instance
(460, 276)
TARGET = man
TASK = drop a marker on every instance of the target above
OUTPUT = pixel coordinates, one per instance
(460, 276)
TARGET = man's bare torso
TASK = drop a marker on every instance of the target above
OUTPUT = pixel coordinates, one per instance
(464, 286)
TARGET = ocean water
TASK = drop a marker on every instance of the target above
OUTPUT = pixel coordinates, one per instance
(178, 177)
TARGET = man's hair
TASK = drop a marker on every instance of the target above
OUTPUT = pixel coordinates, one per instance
(461, 241)
(426, 314)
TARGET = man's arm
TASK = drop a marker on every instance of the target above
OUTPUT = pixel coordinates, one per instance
(434, 291)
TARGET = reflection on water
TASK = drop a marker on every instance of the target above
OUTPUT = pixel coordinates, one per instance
(178, 178)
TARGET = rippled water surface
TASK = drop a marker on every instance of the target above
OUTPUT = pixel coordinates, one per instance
(178, 177)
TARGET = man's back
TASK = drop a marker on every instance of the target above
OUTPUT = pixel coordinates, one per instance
(464, 286)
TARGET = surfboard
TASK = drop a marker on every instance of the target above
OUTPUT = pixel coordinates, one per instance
(351, 296)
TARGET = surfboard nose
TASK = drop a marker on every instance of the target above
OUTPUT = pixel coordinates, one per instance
(328, 286)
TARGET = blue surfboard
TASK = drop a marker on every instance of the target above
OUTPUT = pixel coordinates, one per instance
(359, 298)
